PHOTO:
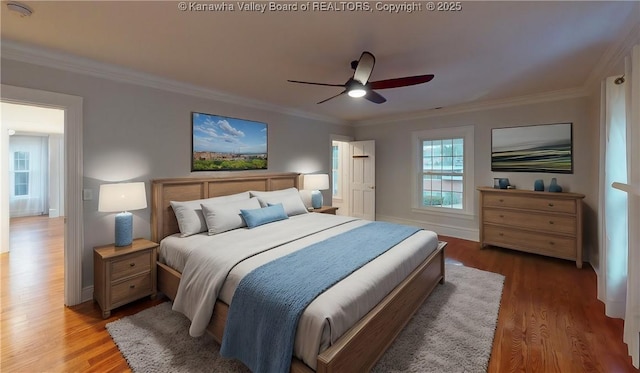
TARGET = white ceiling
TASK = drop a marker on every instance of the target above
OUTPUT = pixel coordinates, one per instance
(487, 51)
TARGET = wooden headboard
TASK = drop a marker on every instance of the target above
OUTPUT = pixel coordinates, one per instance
(163, 191)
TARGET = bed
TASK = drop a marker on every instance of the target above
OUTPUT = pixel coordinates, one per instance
(361, 345)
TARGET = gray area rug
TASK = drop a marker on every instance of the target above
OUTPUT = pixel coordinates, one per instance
(451, 332)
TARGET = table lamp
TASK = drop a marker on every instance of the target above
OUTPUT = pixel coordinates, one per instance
(316, 183)
(122, 198)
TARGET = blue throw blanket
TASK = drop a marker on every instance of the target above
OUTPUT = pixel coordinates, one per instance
(265, 309)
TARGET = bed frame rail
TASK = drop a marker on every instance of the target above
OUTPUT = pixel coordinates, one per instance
(361, 346)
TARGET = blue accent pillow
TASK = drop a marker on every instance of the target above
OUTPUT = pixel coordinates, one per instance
(269, 214)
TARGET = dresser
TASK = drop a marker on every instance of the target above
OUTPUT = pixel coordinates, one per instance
(536, 222)
(124, 274)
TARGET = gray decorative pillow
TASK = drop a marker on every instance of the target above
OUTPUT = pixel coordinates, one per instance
(226, 216)
(290, 199)
(189, 213)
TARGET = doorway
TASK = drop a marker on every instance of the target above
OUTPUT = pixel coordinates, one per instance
(35, 179)
(71, 162)
(353, 177)
(340, 173)
(36, 160)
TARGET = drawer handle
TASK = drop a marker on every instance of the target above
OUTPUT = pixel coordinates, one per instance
(551, 222)
(132, 286)
(551, 243)
(502, 216)
(132, 264)
(550, 204)
(500, 234)
(500, 200)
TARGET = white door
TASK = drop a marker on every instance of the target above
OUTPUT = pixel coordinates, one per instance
(362, 179)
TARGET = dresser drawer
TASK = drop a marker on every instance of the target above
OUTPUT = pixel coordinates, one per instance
(130, 265)
(539, 243)
(535, 203)
(134, 288)
(541, 222)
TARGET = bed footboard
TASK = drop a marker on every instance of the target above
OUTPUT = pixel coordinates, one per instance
(362, 345)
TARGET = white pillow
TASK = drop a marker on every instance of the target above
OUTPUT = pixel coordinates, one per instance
(226, 216)
(290, 199)
(189, 213)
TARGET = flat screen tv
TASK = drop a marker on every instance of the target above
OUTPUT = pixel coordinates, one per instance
(227, 144)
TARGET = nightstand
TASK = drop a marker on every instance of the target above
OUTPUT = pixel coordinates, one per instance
(123, 274)
(326, 210)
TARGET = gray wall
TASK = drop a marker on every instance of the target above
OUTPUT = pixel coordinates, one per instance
(139, 134)
(394, 167)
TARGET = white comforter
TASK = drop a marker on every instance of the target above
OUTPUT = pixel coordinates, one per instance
(214, 266)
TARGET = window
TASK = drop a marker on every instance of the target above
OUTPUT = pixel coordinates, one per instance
(21, 174)
(443, 173)
(335, 170)
(444, 170)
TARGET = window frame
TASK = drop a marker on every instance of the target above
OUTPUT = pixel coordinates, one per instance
(336, 170)
(468, 193)
(20, 170)
(343, 165)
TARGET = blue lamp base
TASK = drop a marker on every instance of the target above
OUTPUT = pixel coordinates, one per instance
(316, 199)
(124, 229)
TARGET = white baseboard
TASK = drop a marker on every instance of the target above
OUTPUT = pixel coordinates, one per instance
(471, 234)
(87, 294)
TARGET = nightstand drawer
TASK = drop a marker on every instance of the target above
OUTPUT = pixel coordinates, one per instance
(130, 265)
(132, 289)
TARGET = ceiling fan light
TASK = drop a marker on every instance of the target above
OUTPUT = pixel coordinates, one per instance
(21, 9)
(357, 92)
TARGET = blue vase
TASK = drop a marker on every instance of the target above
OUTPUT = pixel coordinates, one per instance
(316, 199)
(504, 183)
(554, 187)
(538, 185)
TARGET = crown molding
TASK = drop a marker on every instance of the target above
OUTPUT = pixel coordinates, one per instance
(58, 60)
(617, 51)
(558, 95)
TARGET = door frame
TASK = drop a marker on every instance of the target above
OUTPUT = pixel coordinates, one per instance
(344, 174)
(73, 160)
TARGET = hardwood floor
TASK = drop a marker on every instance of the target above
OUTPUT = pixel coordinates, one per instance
(40, 334)
(549, 321)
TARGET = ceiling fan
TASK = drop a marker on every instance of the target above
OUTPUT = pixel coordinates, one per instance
(359, 85)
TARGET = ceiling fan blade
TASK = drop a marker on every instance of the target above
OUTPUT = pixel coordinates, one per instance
(400, 82)
(325, 100)
(375, 97)
(364, 67)
(325, 84)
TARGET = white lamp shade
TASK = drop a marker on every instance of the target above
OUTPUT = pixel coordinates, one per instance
(122, 197)
(316, 182)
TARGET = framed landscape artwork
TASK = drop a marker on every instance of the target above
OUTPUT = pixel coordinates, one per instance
(227, 144)
(537, 148)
